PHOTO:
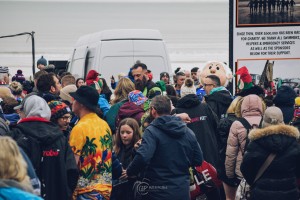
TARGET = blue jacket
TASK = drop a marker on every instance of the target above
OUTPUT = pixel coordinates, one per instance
(10, 189)
(103, 104)
(168, 149)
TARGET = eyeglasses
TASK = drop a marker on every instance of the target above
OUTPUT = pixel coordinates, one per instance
(66, 118)
(208, 84)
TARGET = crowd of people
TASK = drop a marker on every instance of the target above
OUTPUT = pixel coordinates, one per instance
(271, 6)
(68, 138)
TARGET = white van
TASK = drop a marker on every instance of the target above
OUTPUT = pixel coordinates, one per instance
(111, 52)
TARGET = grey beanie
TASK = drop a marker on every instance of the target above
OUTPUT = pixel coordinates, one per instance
(35, 106)
(42, 61)
(273, 116)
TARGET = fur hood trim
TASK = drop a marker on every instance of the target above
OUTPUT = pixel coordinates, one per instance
(274, 130)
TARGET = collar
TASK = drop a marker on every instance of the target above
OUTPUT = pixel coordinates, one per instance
(217, 89)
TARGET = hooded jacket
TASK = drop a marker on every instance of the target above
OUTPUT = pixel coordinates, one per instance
(285, 99)
(129, 109)
(204, 128)
(168, 149)
(279, 180)
(57, 171)
(219, 102)
(252, 111)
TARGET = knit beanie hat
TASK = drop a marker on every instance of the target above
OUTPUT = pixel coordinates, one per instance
(188, 87)
(19, 71)
(245, 81)
(58, 109)
(42, 61)
(16, 87)
(65, 92)
(3, 69)
(137, 97)
(273, 116)
(164, 74)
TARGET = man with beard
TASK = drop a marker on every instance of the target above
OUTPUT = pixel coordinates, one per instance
(141, 80)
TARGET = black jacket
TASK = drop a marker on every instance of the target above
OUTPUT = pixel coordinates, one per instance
(204, 127)
(222, 136)
(285, 99)
(219, 102)
(168, 149)
(279, 180)
(50, 154)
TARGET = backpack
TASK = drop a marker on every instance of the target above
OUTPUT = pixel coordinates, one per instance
(248, 127)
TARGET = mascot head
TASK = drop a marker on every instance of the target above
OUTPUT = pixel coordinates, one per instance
(217, 68)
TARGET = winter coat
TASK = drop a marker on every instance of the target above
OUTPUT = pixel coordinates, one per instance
(112, 114)
(279, 180)
(252, 111)
(168, 149)
(285, 99)
(222, 137)
(11, 189)
(129, 109)
(219, 102)
(57, 171)
(204, 128)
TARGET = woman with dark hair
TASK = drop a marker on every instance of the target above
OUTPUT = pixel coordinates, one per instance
(105, 90)
(127, 135)
(79, 82)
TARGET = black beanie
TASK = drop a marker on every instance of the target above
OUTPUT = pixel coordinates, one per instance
(164, 74)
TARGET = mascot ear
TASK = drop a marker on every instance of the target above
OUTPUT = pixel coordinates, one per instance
(229, 77)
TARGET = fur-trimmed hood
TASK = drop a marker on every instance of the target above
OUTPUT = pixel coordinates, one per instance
(276, 138)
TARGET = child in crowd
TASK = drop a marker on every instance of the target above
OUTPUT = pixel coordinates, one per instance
(127, 135)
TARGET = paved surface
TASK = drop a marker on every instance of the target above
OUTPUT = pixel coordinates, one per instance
(244, 16)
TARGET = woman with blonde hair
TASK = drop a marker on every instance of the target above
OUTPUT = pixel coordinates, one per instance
(233, 112)
(124, 87)
(14, 181)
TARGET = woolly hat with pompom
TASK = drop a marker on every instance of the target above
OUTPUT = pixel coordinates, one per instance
(188, 87)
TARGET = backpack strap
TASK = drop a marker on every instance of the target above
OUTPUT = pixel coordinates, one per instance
(248, 127)
(245, 123)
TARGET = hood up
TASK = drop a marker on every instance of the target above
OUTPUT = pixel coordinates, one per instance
(188, 101)
(252, 105)
(222, 97)
(171, 125)
(129, 109)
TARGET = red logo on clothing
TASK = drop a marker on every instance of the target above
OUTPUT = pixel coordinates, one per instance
(51, 153)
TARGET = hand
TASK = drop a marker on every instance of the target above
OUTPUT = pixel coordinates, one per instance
(184, 117)
(137, 144)
(124, 175)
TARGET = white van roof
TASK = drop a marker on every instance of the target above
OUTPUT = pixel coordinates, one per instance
(121, 34)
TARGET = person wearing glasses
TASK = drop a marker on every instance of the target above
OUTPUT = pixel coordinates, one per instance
(61, 115)
(217, 97)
